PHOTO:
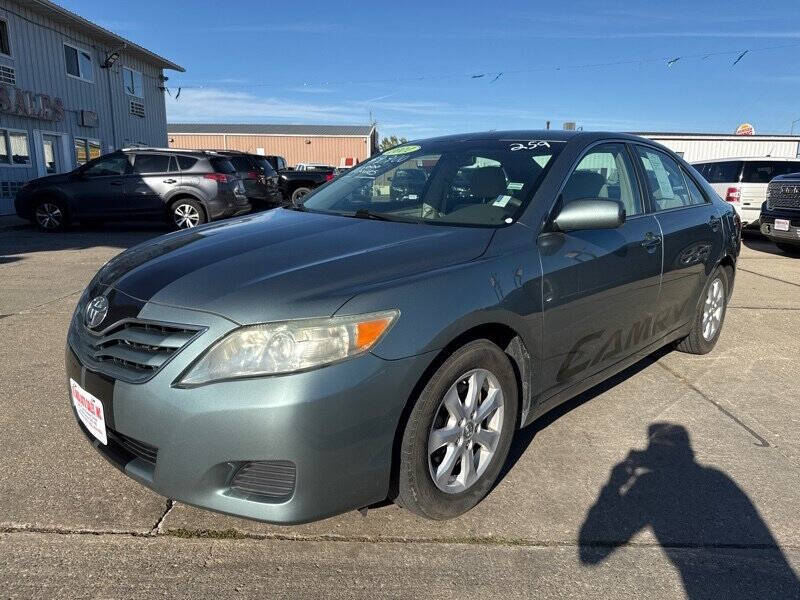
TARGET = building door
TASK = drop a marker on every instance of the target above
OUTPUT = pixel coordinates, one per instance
(53, 162)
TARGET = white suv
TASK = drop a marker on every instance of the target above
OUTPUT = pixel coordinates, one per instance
(743, 181)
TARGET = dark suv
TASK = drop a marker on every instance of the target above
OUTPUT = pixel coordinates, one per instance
(259, 178)
(780, 214)
(185, 187)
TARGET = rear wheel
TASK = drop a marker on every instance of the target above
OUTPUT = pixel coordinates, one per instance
(50, 215)
(298, 194)
(186, 213)
(790, 249)
(458, 433)
(710, 316)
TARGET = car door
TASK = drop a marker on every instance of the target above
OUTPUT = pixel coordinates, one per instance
(154, 177)
(99, 188)
(692, 231)
(600, 287)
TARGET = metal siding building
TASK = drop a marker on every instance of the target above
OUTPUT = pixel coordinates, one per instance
(98, 115)
(327, 144)
(705, 146)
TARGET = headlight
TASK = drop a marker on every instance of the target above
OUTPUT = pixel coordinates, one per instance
(288, 346)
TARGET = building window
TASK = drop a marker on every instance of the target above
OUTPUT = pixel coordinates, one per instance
(79, 63)
(5, 41)
(8, 75)
(14, 148)
(86, 150)
(133, 82)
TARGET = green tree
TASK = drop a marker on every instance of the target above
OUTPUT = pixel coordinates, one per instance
(391, 142)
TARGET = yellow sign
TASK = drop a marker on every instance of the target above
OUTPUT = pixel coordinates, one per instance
(401, 150)
(745, 129)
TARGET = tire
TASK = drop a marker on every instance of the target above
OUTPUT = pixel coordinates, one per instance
(455, 494)
(186, 213)
(790, 249)
(299, 193)
(701, 340)
(50, 215)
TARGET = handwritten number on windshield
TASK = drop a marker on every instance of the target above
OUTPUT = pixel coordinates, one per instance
(530, 145)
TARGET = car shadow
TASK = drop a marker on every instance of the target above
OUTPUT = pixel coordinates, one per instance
(700, 517)
(752, 239)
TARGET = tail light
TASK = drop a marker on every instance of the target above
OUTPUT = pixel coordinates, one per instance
(218, 177)
(733, 194)
(252, 174)
(328, 176)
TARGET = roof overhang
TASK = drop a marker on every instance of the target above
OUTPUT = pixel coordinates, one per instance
(62, 15)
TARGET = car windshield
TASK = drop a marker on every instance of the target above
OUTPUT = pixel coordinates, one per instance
(475, 182)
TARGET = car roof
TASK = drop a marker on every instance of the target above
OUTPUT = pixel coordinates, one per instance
(747, 159)
(538, 134)
(193, 152)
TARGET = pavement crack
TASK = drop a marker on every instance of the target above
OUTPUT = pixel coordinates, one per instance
(762, 442)
(768, 276)
(157, 527)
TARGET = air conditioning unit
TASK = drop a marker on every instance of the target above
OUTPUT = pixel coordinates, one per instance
(8, 75)
(137, 108)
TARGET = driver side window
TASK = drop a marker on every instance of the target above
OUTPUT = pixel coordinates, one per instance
(116, 164)
(605, 172)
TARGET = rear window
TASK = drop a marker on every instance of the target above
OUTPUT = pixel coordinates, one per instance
(241, 163)
(222, 165)
(720, 172)
(186, 162)
(763, 171)
(264, 166)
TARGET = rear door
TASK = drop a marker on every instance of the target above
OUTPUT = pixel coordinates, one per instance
(692, 234)
(154, 177)
(600, 287)
(247, 172)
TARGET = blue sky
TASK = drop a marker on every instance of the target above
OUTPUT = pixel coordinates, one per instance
(410, 64)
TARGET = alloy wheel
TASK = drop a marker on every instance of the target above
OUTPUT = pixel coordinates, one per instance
(712, 311)
(466, 430)
(186, 216)
(49, 216)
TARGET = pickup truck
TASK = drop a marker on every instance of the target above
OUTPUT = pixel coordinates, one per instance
(296, 184)
(780, 214)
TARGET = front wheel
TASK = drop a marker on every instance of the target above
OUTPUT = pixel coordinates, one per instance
(710, 316)
(50, 215)
(790, 249)
(458, 433)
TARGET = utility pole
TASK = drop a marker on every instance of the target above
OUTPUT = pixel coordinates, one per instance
(791, 131)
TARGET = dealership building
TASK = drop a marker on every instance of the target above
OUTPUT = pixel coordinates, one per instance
(335, 145)
(695, 147)
(70, 90)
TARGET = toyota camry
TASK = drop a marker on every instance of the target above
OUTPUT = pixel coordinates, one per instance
(388, 337)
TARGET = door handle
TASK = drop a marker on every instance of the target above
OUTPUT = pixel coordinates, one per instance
(651, 240)
(714, 223)
(170, 180)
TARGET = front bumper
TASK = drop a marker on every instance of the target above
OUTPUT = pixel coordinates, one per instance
(336, 425)
(767, 228)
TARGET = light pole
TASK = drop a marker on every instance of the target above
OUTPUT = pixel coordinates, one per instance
(791, 131)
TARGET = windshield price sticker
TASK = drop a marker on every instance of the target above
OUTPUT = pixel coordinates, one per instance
(401, 150)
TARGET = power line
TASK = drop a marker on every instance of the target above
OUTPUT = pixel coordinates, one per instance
(668, 60)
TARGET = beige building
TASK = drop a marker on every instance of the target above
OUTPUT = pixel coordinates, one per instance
(335, 145)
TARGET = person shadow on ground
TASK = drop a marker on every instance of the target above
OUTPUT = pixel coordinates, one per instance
(705, 523)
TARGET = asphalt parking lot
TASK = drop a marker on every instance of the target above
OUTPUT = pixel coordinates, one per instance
(72, 526)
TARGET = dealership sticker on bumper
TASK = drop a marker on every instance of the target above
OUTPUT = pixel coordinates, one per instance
(90, 411)
(782, 224)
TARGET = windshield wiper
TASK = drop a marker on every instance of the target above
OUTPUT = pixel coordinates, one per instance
(363, 213)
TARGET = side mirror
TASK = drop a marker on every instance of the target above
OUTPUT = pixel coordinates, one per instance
(591, 213)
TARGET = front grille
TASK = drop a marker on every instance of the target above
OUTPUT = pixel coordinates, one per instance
(783, 195)
(134, 447)
(132, 350)
(264, 480)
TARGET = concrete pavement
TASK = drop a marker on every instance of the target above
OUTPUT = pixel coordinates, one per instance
(727, 516)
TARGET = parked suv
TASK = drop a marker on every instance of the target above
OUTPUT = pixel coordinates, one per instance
(259, 178)
(185, 187)
(743, 181)
(780, 214)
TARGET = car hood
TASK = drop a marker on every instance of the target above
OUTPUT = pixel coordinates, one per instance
(284, 264)
(52, 179)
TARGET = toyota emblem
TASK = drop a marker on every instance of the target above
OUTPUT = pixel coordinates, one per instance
(96, 311)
